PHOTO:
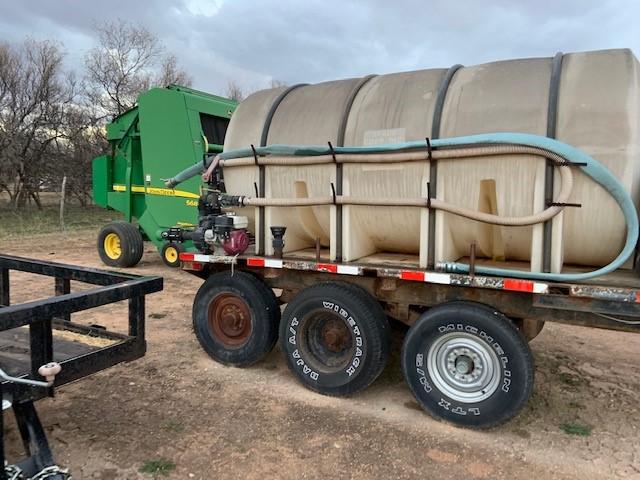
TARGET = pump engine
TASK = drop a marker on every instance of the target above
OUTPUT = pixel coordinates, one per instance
(216, 229)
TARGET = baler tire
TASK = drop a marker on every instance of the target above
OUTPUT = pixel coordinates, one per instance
(496, 378)
(335, 338)
(220, 311)
(129, 242)
(168, 255)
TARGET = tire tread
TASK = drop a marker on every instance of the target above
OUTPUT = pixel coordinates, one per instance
(376, 319)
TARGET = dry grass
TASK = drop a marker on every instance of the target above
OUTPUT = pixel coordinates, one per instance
(32, 221)
(80, 338)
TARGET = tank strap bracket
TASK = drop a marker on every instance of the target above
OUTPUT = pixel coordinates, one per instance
(567, 163)
(255, 155)
(333, 153)
(561, 204)
(429, 150)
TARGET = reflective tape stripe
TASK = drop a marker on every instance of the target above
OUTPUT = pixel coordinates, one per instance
(194, 257)
(348, 270)
(510, 284)
(429, 277)
(197, 266)
(264, 262)
(412, 275)
(272, 263)
(524, 286)
(255, 262)
(327, 267)
(441, 278)
(517, 285)
(540, 287)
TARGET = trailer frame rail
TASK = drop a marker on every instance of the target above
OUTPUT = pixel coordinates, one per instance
(591, 305)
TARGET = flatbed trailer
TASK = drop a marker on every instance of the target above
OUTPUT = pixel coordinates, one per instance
(455, 320)
(40, 335)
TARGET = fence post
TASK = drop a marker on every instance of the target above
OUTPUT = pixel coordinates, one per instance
(62, 195)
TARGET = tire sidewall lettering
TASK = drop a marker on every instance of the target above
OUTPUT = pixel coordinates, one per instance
(441, 400)
(355, 363)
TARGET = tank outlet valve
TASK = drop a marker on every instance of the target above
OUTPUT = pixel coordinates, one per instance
(278, 240)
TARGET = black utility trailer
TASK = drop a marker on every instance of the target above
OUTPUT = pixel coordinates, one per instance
(40, 336)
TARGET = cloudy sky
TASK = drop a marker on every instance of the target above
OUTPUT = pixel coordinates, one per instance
(253, 41)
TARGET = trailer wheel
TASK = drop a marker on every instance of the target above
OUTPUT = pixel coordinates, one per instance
(335, 337)
(120, 244)
(468, 364)
(170, 254)
(235, 318)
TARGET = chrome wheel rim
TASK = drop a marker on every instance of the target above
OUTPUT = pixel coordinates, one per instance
(464, 367)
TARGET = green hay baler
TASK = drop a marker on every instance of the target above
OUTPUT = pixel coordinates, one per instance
(170, 129)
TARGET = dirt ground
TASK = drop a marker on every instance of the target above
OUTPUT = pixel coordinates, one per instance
(219, 422)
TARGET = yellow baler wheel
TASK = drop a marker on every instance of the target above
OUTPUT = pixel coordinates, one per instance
(112, 246)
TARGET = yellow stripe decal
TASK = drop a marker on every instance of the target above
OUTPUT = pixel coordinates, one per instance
(165, 192)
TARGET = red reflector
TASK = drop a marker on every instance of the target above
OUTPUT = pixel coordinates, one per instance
(638, 296)
(327, 267)
(517, 285)
(412, 275)
(187, 257)
(197, 266)
(255, 262)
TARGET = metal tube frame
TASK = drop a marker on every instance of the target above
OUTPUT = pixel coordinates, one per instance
(42, 316)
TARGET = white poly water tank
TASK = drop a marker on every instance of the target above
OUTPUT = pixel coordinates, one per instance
(597, 110)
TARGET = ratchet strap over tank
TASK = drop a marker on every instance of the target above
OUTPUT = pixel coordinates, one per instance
(552, 122)
(339, 170)
(262, 235)
(433, 164)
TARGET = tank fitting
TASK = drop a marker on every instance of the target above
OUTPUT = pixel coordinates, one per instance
(278, 240)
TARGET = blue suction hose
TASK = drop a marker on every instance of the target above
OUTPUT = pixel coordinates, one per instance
(591, 167)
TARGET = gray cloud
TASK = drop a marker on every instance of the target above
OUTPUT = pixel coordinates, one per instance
(252, 41)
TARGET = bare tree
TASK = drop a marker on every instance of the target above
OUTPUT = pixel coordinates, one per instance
(169, 73)
(35, 94)
(83, 141)
(275, 83)
(238, 93)
(127, 61)
(234, 91)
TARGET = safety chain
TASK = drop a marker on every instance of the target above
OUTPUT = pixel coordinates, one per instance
(13, 472)
(52, 471)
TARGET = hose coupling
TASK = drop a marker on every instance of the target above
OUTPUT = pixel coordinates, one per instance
(450, 267)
